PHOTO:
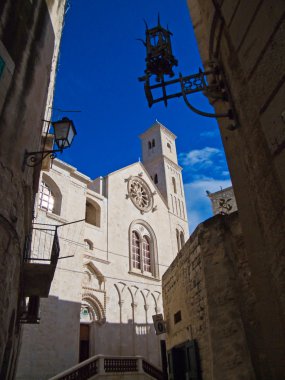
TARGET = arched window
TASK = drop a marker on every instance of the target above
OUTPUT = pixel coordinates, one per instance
(153, 143)
(136, 257)
(50, 196)
(169, 147)
(143, 249)
(182, 241)
(93, 213)
(178, 240)
(46, 200)
(174, 185)
(155, 178)
(149, 145)
(146, 254)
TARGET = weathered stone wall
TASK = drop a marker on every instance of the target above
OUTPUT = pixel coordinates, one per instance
(248, 38)
(209, 282)
(26, 50)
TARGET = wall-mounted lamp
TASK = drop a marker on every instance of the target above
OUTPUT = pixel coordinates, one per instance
(63, 135)
(160, 61)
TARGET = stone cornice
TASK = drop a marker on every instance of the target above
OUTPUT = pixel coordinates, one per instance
(72, 170)
(168, 160)
(173, 164)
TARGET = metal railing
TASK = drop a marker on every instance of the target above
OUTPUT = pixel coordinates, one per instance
(101, 365)
(42, 244)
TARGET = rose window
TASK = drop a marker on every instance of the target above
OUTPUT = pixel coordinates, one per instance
(140, 194)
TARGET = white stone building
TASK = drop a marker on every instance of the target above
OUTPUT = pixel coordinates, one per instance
(103, 297)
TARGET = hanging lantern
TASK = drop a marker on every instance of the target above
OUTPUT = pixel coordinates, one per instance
(159, 57)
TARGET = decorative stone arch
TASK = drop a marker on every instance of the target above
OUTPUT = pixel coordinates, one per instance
(135, 226)
(120, 286)
(125, 289)
(56, 193)
(180, 237)
(133, 289)
(155, 303)
(119, 294)
(126, 300)
(93, 212)
(90, 268)
(95, 309)
(145, 294)
(156, 296)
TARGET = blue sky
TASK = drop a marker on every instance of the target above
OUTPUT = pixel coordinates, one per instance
(99, 64)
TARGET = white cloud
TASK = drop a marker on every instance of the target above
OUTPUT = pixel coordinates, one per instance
(198, 204)
(204, 169)
(208, 162)
(200, 158)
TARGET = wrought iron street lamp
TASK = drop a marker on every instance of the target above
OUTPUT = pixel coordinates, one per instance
(63, 134)
(160, 62)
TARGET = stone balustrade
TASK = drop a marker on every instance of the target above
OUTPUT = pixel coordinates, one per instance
(100, 366)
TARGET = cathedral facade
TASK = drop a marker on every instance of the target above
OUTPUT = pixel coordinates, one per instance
(128, 228)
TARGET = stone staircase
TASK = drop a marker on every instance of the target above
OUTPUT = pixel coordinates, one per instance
(112, 368)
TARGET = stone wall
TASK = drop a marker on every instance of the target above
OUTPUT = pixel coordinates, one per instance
(209, 282)
(26, 53)
(247, 39)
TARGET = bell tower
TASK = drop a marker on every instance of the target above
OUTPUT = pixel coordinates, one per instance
(160, 160)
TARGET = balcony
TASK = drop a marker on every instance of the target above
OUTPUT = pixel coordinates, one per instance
(41, 255)
(40, 260)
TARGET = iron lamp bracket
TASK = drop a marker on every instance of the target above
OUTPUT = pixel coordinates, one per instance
(33, 159)
(211, 82)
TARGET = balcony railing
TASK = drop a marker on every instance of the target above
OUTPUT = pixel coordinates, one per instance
(41, 255)
(42, 245)
(100, 365)
(40, 259)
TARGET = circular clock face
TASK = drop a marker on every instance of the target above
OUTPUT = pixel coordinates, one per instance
(140, 194)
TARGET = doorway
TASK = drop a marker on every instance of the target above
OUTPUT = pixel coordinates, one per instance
(184, 362)
(84, 342)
